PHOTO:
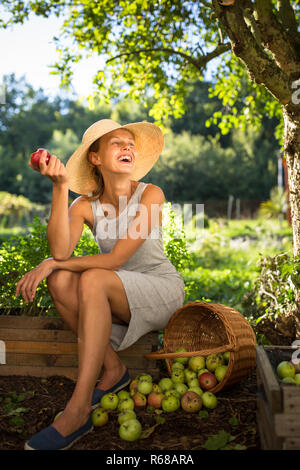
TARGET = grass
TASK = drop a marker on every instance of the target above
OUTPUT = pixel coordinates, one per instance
(224, 257)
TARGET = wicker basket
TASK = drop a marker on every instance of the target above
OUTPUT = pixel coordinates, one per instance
(204, 328)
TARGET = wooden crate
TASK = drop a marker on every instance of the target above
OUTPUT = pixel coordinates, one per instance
(41, 347)
(278, 404)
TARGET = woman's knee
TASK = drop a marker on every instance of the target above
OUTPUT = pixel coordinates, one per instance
(60, 281)
(92, 280)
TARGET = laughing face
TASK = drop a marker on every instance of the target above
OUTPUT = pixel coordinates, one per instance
(117, 153)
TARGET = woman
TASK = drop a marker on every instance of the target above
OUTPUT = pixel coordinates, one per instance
(113, 298)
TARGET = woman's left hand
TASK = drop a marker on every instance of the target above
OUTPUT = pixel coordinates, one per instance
(29, 282)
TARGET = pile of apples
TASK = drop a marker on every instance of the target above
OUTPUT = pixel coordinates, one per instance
(289, 372)
(188, 388)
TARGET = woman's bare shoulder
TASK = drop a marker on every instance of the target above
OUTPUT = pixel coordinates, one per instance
(154, 193)
(81, 207)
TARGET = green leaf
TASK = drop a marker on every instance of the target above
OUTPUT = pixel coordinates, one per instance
(218, 441)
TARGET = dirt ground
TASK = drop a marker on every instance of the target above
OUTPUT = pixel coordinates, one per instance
(28, 404)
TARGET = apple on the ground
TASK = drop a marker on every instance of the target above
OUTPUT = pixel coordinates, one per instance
(196, 390)
(155, 399)
(123, 394)
(191, 402)
(209, 400)
(126, 415)
(189, 374)
(126, 404)
(99, 417)
(144, 387)
(165, 384)
(180, 388)
(130, 430)
(170, 403)
(178, 376)
(109, 401)
(139, 399)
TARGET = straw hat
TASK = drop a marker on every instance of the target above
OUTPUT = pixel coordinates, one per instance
(149, 143)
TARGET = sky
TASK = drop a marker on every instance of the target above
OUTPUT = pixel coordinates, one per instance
(29, 50)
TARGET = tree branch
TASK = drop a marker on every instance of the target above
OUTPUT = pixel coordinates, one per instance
(287, 16)
(276, 39)
(261, 68)
(198, 63)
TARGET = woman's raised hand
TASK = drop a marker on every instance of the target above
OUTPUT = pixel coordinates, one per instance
(55, 169)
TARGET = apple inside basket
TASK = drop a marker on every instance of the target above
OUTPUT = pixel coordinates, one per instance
(203, 329)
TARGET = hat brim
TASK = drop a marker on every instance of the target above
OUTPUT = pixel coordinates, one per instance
(149, 142)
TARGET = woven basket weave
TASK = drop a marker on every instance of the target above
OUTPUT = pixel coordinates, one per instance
(204, 328)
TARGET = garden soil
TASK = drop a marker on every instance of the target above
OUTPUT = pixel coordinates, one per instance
(28, 404)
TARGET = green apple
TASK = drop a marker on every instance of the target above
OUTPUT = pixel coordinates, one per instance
(165, 384)
(285, 369)
(288, 380)
(180, 388)
(196, 363)
(196, 390)
(209, 400)
(221, 359)
(174, 392)
(146, 377)
(182, 360)
(170, 403)
(156, 388)
(189, 374)
(130, 430)
(220, 372)
(126, 404)
(193, 383)
(126, 415)
(226, 356)
(201, 371)
(109, 401)
(177, 376)
(99, 417)
(177, 365)
(123, 394)
(144, 387)
(297, 379)
(212, 362)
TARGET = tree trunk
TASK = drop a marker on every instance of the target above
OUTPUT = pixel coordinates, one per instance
(292, 154)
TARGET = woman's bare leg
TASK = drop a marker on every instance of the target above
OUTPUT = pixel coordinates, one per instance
(96, 290)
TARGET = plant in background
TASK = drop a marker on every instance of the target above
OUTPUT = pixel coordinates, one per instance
(272, 303)
(174, 239)
(276, 206)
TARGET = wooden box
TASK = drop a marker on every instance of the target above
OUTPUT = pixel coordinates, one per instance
(41, 347)
(278, 404)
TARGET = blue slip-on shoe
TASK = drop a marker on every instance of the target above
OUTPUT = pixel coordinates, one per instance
(98, 393)
(50, 439)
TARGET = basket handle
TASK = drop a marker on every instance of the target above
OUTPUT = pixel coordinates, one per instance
(161, 354)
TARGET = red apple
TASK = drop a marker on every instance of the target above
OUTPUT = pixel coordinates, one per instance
(191, 402)
(35, 158)
(207, 380)
(155, 399)
(139, 399)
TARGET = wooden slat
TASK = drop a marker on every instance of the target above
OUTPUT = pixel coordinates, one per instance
(40, 347)
(291, 399)
(269, 381)
(26, 334)
(287, 424)
(23, 321)
(57, 360)
(291, 443)
(269, 439)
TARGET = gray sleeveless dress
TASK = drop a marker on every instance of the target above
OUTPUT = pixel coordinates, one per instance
(154, 288)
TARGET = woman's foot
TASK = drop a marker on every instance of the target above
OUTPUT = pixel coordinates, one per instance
(111, 377)
(71, 420)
